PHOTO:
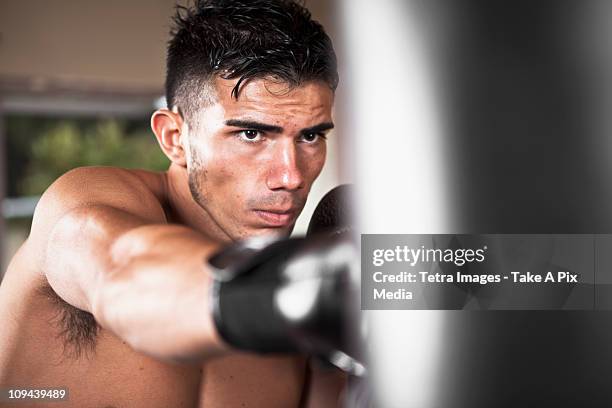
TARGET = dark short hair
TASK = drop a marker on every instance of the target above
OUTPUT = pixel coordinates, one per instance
(244, 39)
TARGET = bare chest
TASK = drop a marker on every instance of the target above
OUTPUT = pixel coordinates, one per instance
(48, 347)
(54, 346)
(248, 380)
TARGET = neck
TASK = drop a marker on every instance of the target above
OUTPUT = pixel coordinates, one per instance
(186, 210)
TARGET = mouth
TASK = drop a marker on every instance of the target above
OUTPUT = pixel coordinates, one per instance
(276, 218)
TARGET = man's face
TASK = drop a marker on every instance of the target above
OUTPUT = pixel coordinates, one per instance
(252, 160)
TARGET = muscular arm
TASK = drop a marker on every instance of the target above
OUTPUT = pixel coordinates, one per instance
(105, 248)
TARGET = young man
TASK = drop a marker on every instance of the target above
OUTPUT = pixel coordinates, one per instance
(110, 294)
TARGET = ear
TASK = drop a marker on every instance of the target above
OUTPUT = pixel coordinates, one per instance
(168, 127)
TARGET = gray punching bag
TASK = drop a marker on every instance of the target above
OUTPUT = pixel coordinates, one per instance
(483, 117)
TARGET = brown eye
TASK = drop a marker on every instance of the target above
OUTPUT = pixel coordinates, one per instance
(250, 135)
(310, 137)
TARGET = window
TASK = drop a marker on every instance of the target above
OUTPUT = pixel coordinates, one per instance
(41, 146)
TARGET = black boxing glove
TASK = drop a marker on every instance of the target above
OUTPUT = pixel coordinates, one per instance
(333, 214)
(286, 295)
(283, 295)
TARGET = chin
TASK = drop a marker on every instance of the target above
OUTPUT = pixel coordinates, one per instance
(258, 232)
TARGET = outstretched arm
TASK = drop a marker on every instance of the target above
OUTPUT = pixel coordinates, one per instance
(105, 248)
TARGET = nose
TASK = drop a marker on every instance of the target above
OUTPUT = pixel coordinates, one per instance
(285, 171)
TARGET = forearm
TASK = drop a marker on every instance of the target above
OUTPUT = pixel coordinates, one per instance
(156, 297)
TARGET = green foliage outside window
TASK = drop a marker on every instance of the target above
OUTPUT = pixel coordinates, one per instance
(42, 149)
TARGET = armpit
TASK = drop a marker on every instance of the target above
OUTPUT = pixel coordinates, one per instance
(76, 328)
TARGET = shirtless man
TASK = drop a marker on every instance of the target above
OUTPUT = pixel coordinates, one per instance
(109, 296)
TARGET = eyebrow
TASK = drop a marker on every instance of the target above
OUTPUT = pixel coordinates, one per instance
(321, 127)
(264, 127)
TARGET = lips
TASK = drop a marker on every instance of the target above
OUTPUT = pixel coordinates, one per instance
(276, 218)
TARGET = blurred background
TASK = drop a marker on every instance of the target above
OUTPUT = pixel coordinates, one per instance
(472, 116)
(78, 83)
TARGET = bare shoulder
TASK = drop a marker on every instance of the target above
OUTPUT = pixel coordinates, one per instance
(116, 187)
(136, 192)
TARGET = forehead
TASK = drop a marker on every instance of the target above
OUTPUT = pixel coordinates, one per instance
(266, 97)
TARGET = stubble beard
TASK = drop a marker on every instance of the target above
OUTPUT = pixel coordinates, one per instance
(196, 178)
